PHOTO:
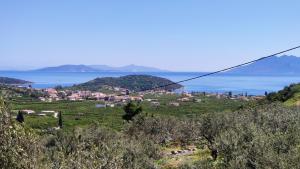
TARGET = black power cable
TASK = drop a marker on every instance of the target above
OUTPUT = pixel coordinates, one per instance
(222, 70)
(216, 72)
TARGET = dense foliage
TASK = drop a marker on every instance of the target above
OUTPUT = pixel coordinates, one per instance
(263, 136)
(267, 137)
(18, 146)
(12, 93)
(131, 82)
(99, 148)
(131, 110)
(290, 94)
(92, 147)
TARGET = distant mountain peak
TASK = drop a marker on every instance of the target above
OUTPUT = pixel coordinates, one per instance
(68, 68)
(276, 65)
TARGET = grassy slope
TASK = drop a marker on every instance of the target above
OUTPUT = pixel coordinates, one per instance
(289, 95)
(295, 99)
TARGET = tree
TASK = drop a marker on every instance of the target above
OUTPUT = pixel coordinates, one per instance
(20, 117)
(230, 94)
(60, 121)
(266, 93)
(211, 125)
(131, 110)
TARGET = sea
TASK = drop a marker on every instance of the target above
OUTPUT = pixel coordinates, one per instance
(238, 84)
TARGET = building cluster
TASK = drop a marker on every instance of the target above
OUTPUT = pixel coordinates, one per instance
(229, 95)
(120, 96)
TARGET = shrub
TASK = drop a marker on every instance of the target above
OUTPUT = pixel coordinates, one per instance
(19, 147)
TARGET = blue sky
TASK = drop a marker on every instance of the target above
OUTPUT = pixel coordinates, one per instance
(189, 35)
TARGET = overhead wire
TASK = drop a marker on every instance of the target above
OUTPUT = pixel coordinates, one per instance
(213, 73)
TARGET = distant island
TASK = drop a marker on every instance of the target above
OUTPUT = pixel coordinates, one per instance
(276, 65)
(283, 65)
(12, 81)
(131, 82)
(99, 68)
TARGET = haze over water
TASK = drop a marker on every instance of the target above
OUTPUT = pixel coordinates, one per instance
(253, 85)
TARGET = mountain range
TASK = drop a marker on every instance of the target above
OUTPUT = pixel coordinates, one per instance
(282, 65)
(276, 65)
(99, 68)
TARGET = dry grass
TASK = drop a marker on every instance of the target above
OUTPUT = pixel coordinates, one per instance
(174, 161)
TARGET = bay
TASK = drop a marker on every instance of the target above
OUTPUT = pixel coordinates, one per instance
(252, 85)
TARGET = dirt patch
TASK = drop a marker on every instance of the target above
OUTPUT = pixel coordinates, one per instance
(177, 156)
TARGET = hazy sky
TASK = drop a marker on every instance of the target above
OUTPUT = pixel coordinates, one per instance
(182, 35)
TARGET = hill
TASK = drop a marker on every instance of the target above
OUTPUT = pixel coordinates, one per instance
(131, 82)
(99, 68)
(12, 81)
(290, 95)
(283, 65)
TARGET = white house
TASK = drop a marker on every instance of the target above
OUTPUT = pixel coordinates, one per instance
(28, 111)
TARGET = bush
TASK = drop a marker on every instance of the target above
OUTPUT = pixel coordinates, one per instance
(95, 147)
(264, 137)
(19, 147)
(162, 130)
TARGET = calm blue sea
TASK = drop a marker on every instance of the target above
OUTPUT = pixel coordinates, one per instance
(255, 85)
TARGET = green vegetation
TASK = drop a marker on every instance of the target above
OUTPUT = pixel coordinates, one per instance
(20, 117)
(20, 94)
(92, 147)
(261, 137)
(60, 120)
(265, 136)
(131, 82)
(74, 114)
(290, 95)
(83, 113)
(18, 145)
(131, 110)
(201, 132)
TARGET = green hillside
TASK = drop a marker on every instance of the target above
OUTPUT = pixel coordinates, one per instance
(131, 82)
(290, 95)
(12, 81)
(295, 99)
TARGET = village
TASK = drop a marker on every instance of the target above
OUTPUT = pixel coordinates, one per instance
(124, 95)
(120, 96)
